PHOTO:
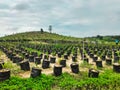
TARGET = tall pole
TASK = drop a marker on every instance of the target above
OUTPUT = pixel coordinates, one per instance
(50, 28)
(83, 49)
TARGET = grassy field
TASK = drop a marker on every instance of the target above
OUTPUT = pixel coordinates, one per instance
(106, 81)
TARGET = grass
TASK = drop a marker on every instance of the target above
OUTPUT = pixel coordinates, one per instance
(108, 80)
(84, 64)
(37, 36)
(15, 83)
(1, 53)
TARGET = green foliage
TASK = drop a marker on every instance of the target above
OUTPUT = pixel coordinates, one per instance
(85, 64)
(38, 36)
(7, 65)
(15, 83)
(13, 68)
(108, 80)
(1, 53)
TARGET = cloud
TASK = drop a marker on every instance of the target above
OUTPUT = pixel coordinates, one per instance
(76, 17)
(21, 6)
(4, 6)
(78, 22)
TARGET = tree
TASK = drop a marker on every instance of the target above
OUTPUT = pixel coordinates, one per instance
(41, 30)
(99, 37)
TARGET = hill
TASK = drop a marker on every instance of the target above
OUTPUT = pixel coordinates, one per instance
(38, 36)
(53, 37)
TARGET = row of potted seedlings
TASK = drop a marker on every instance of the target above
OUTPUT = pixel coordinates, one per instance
(25, 64)
(36, 72)
(57, 68)
(107, 58)
(63, 63)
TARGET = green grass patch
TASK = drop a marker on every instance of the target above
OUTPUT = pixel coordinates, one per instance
(108, 80)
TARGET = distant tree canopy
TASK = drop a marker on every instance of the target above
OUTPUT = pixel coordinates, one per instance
(116, 37)
(100, 37)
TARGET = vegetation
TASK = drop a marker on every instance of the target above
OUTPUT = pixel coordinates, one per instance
(38, 36)
(107, 80)
(104, 39)
(43, 45)
(15, 83)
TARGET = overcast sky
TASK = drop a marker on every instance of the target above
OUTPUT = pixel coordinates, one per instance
(79, 18)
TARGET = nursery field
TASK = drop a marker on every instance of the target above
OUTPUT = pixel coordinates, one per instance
(46, 61)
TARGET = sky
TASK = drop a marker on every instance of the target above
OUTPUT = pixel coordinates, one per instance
(78, 18)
